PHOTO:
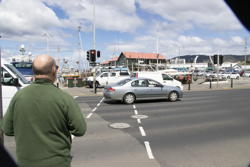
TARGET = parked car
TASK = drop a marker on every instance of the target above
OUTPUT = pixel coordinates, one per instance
(246, 73)
(161, 77)
(230, 75)
(199, 72)
(106, 78)
(211, 75)
(132, 89)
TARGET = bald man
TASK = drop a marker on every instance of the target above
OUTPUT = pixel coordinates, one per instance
(42, 119)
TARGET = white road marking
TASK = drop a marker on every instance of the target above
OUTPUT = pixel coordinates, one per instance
(94, 109)
(142, 131)
(139, 121)
(90, 114)
(75, 97)
(102, 100)
(149, 151)
(136, 112)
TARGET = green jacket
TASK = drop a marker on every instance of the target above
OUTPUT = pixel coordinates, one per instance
(42, 119)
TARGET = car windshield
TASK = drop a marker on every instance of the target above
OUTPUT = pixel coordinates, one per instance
(124, 81)
(17, 73)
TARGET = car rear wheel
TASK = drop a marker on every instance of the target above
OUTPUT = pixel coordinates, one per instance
(173, 96)
(129, 98)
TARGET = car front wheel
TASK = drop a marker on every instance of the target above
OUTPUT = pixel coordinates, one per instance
(129, 98)
(173, 96)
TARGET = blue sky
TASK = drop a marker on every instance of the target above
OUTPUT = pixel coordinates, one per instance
(182, 27)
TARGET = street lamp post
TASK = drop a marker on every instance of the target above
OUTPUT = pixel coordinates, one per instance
(94, 46)
(1, 104)
(245, 49)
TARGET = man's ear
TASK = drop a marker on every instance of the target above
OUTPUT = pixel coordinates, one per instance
(54, 69)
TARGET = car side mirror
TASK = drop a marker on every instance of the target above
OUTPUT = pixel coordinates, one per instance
(16, 82)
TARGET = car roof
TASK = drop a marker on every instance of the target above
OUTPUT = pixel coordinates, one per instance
(136, 78)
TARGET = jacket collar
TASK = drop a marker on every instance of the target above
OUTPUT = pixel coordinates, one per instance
(42, 81)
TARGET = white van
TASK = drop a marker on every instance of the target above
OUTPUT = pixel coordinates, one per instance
(106, 78)
(161, 77)
(12, 81)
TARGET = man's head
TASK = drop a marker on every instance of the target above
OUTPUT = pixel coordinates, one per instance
(44, 66)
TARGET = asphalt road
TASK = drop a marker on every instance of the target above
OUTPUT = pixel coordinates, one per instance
(204, 129)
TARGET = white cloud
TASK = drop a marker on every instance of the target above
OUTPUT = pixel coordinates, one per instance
(26, 17)
(182, 45)
(185, 40)
(211, 14)
(237, 40)
(126, 46)
(219, 42)
(109, 15)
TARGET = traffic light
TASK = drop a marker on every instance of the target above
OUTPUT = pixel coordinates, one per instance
(98, 54)
(93, 55)
(215, 59)
(220, 59)
(87, 55)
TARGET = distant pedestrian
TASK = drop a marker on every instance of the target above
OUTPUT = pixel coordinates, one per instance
(42, 118)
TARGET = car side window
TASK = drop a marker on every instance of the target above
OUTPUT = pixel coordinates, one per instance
(104, 75)
(166, 77)
(139, 83)
(113, 74)
(152, 83)
(6, 78)
(124, 73)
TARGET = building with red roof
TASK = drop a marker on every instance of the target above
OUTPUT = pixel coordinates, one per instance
(135, 60)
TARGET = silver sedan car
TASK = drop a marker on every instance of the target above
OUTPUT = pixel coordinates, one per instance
(131, 89)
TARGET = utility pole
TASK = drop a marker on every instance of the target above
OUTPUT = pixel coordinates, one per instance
(157, 52)
(94, 47)
(1, 102)
(218, 65)
(80, 46)
(245, 50)
(157, 48)
(58, 55)
(94, 35)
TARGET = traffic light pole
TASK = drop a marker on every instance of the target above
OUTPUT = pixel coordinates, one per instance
(94, 75)
(1, 105)
(218, 65)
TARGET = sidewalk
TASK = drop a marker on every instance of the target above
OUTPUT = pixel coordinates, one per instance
(82, 91)
(243, 83)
